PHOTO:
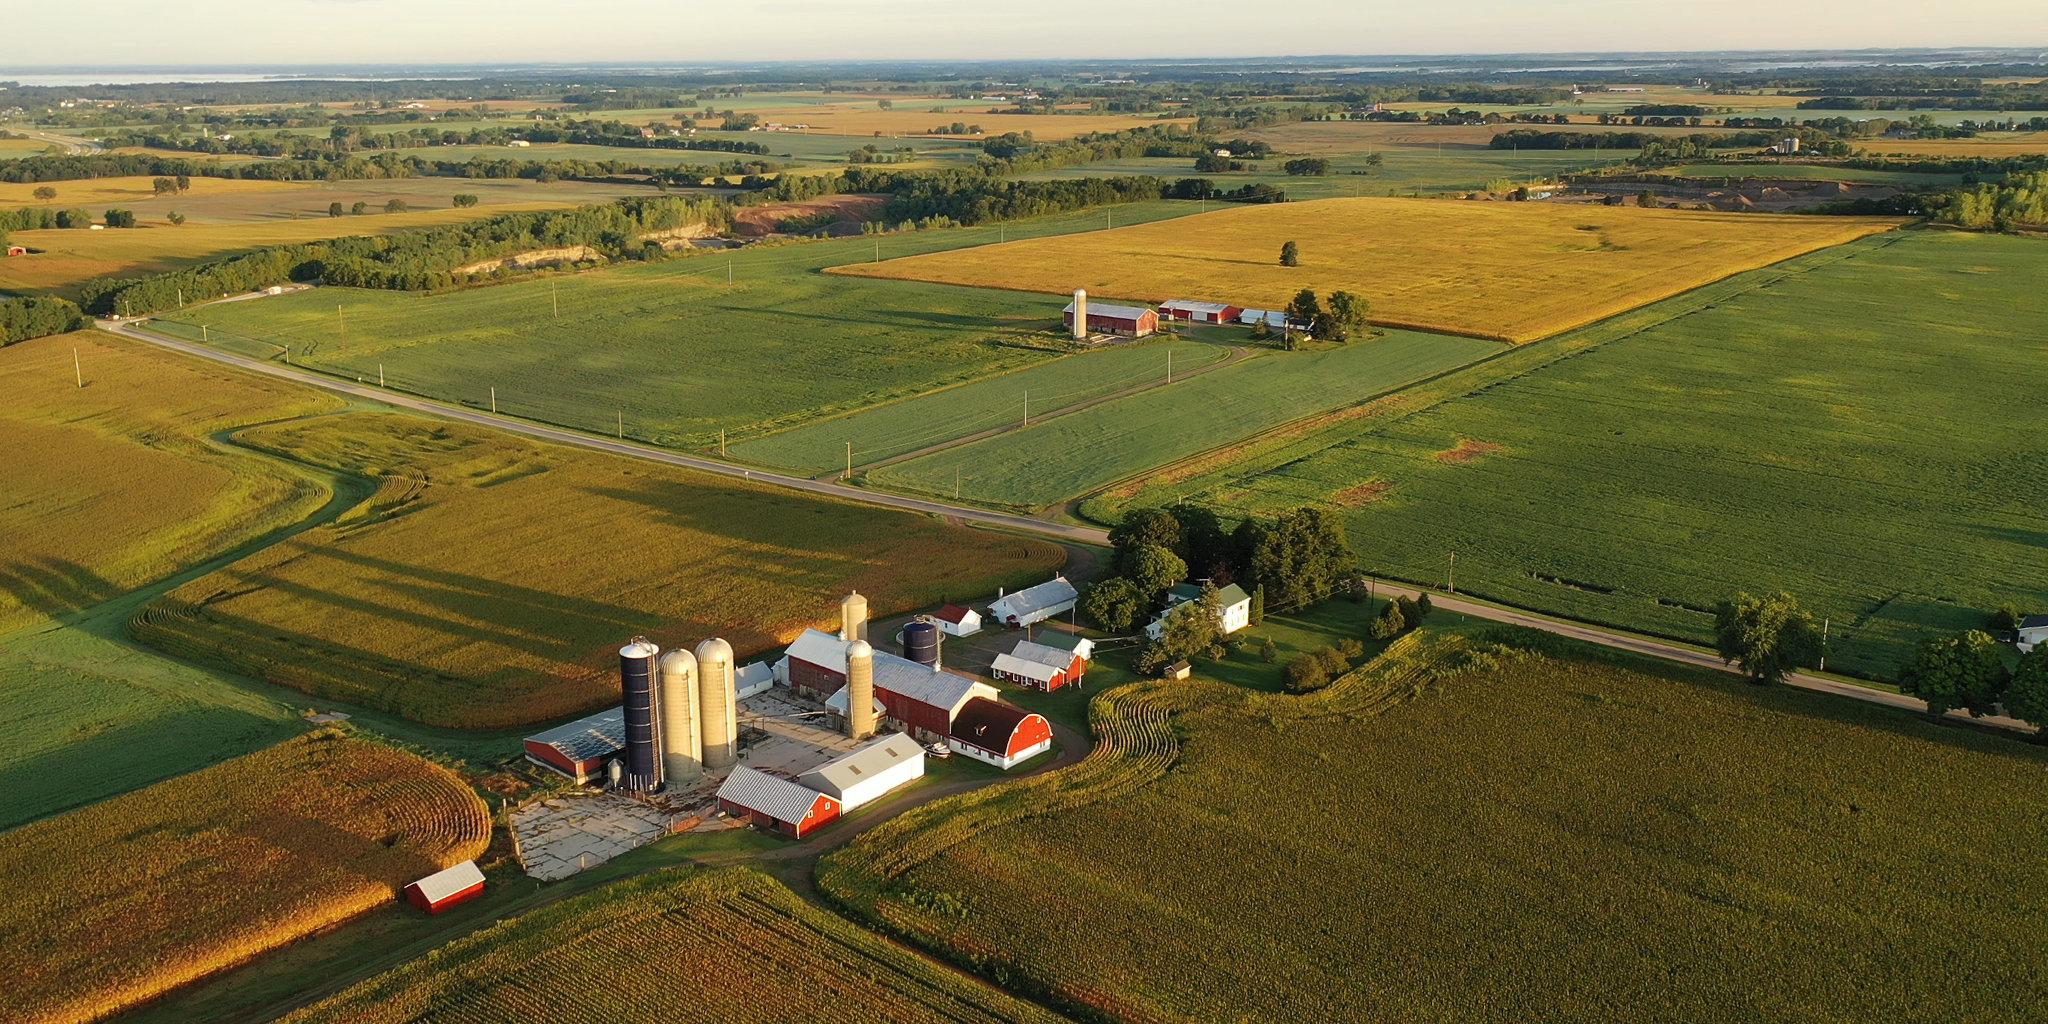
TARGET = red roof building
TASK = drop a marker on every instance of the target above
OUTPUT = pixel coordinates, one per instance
(1000, 734)
(775, 804)
(957, 621)
(444, 889)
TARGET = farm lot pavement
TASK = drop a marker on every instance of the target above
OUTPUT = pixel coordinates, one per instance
(560, 836)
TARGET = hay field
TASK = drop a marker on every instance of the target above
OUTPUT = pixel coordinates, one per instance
(1527, 840)
(490, 580)
(1843, 427)
(108, 906)
(92, 193)
(676, 947)
(114, 485)
(1996, 144)
(1508, 271)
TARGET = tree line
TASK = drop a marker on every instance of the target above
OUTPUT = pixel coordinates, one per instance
(420, 259)
(22, 319)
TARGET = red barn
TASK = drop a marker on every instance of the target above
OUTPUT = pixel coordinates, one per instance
(1126, 321)
(580, 749)
(1200, 312)
(1001, 734)
(816, 664)
(775, 804)
(17, 250)
(1039, 666)
(444, 889)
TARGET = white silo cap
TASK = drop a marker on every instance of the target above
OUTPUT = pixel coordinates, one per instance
(859, 649)
(639, 649)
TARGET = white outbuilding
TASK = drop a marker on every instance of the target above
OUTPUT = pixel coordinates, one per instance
(865, 773)
(1034, 604)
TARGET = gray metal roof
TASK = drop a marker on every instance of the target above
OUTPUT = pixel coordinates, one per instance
(838, 702)
(820, 648)
(835, 777)
(587, 739)
(778, 798)
(1010, 664)
(1042, 654)
(1049, 594)
(1193, 306)
(2034, 621)
(1110, 309)
(940, 689)
(1231, 594)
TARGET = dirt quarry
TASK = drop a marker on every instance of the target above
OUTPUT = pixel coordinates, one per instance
(1769, 195)
(848, 213)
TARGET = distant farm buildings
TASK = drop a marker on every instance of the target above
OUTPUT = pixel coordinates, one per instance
(1122, 321)
(1199, 312)
(580, 748)
(17, 250)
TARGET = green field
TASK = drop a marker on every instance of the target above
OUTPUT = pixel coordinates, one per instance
(1850, 426)
(887, 431)
(1070, 455)
(671, 346)
(1816, 172)
(1526, 839)
(676, 947)
(1462, 167)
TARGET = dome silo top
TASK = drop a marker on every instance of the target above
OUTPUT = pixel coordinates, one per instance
(678, 662)
(714, 651)
(859, 649)
(639, 648)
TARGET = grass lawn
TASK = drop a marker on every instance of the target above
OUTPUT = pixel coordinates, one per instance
(1516, 838)
(1512, 271)
(672, 347)
(1848, 428)
(1070, 455)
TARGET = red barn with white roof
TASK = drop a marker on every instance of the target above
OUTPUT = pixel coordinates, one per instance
(444, 889)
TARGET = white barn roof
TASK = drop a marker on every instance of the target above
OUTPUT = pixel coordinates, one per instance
(1050, 594)
(940, 689)
(1111, 310)
(856, 766)
(442, 884)
(820, 648)
(778, 798)
(586, 739)
(1011, 665)
(838, 702)
(1042, 654)
(1192, 306)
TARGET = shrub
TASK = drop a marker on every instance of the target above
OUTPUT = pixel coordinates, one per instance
(1305, 673)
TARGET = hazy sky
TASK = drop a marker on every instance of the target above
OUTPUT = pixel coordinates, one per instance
(205, 32)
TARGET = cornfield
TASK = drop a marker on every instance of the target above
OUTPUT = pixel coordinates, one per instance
(1507, 271)
(1476, 833)
(113, 904)
(489, 579)
(675, 947)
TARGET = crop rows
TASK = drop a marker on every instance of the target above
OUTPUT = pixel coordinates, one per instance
(1467, 832)
(726, 947)
(126, 899)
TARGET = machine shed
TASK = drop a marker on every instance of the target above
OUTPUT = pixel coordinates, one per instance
(1200, 312)
(861, 775)
(1034, 604)
(775, 804)
(1000, 734)
(444, 889)
(580, 748)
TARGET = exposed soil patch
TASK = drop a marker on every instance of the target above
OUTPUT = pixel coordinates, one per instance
(1467, 450)
(847, 213)
(1367, 493)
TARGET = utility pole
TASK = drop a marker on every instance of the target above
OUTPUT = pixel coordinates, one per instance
(339, 319)
(181, 298)
(849, 461)
(956, 483)
(1823, 642)
(878, 250)
(728, 271)
(555, 297)
(202, 334)
(1451, 585)
(78, 368)
(622, 425)
(380, 375)
(1027, 407)
(721, 442)
(494, 401)
(1169, 366)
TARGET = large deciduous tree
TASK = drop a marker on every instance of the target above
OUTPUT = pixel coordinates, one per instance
(1301, 558)
(1152, 569)
(1767, 636)
(2026, 698)
(1961, 670)
(1115, 604)
(1290, 254)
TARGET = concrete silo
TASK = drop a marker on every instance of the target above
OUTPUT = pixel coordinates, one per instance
(860, 690)
(682, 741)
(643, 715)
(718, 703)
(853, 617)
(1080, 314)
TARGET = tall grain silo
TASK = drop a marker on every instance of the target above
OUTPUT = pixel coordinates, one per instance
(853, 617)
(682, 741)
(643, 715)
(719, 703)
(921, 642)
(860, 690)
(1080, 314)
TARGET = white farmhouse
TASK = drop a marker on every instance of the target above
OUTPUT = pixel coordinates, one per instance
(1236, 613)
(2033, 630)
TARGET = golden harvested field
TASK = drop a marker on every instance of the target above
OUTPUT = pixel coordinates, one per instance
(490, 579)
(118, 902)
(676, 947)
(1510, 271)
(92, 193)
(1335, 138)
(1996, 144)
(13, 148)
(113, 485)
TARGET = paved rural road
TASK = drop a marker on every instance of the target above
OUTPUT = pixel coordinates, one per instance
(72, 146)
(1059, 531)
(1082, 534)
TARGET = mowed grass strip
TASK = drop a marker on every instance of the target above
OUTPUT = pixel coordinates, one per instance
(490, 580)
(115, 484)
(110, 905)
(725, 947)
(1073, 454)
(887, 431)
(1536, 840)
(1855, 433)
(1511, 271)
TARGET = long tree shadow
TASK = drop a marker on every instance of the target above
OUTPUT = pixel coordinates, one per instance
(112, 761)
(801, 529)
(54, 586)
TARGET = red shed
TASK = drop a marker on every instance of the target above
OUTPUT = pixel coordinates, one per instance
(1127, 321)
(580, 748)
(17, 250)
(775, 804)
(444, 889)
(1001, 734)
